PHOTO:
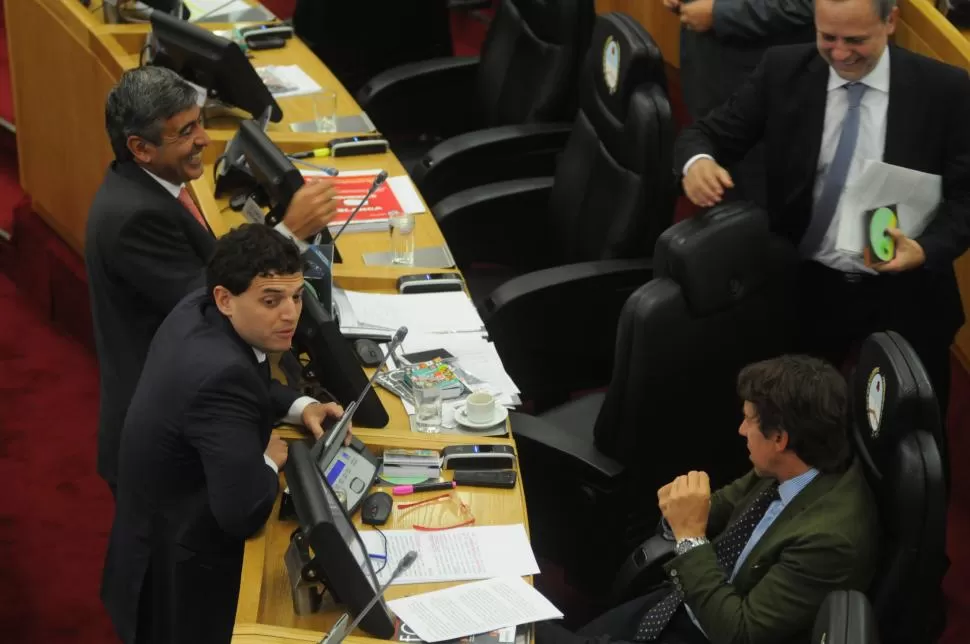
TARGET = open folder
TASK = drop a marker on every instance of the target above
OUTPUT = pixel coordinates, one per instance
(915, 195)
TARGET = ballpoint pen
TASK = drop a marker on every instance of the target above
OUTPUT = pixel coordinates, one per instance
(309, 154)
(398, 490)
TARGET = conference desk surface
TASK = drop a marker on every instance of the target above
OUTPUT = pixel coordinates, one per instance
(265, 596)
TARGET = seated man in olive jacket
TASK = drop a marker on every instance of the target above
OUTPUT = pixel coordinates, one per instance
(755, 559)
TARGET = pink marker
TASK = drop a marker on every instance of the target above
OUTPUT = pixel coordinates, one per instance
(399, 490)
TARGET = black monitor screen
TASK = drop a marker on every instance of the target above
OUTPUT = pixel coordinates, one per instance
(212, 62)
(334, 362)
(273, 171)
(336, 544)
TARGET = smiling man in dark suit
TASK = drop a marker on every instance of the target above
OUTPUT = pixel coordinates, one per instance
(146, 242)
(198, 471)
(822, 111)
(755, 559)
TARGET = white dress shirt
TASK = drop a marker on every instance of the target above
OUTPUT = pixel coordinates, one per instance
(295, 414)
(176, 189)
(870, 145)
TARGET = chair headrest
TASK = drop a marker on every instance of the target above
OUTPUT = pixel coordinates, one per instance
(891, 396)
(721, 256)
(622, 56)
(553, 21)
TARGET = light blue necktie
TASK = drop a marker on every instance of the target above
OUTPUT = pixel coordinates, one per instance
(834, 182)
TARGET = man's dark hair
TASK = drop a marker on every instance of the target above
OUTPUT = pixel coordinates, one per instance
(806, 397)
(247, 252)
(141, 102)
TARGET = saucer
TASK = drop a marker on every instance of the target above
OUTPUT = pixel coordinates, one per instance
(499, 415)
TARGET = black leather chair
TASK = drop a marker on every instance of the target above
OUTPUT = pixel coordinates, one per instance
(551, 260)
(894, 419)
(591, 467)
(526, 73)
(845, 617)
(360, 39)
(896, 425)
(532, 149)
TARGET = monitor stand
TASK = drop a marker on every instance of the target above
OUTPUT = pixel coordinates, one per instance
(308, 587)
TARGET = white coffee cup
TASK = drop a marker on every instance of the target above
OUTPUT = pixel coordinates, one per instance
(480, 407)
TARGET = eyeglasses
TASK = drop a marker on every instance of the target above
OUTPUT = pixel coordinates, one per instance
(464, 512)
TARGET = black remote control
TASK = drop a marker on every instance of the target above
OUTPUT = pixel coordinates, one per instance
(486, 478)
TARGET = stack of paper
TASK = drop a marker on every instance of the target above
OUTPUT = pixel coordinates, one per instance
(429, 313)
(287, 80)
(473, 608)
(460, 554)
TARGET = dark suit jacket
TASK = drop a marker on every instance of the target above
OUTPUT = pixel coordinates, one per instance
(192, 484)
(782, 104)
(825, 539)
(143, 252)
(714, 63)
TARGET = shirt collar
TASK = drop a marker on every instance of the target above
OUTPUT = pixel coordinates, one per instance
(790, 488)
(878, 78)
(260, 355)
(170, 187)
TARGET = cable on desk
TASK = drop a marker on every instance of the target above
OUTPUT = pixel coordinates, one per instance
(97, 7)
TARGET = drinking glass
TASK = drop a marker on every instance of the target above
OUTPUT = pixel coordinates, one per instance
(402, 237)
(325, 110)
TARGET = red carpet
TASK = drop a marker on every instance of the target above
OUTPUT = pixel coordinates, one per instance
(55, 512)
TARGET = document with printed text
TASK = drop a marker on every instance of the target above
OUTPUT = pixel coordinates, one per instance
(460, 554)
(473, 608)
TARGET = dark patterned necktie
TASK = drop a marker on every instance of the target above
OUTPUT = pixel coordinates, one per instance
(727, 546)
(264, 370)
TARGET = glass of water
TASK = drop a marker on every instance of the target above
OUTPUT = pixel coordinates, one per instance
(325, 110)
(402, 237)
(427, 405)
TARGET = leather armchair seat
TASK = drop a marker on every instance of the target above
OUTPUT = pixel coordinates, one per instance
(718, 301)
(894, 418)
(526, 74)
(551, 260)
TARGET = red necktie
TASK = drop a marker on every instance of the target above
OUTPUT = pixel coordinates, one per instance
(186, 201)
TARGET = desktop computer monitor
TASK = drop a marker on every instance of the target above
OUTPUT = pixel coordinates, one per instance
(334, 363)
(215, 63)
(339, 553)
(274, 173)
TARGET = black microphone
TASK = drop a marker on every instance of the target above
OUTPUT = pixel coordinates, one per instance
(378, 180)
(341, 630)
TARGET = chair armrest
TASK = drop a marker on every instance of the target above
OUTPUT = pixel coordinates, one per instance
(642, 569)
(530, 431)
(487, 156)
(546, 323)
(434, 97)
(500, 222)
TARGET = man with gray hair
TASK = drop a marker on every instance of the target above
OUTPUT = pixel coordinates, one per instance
(147, 243)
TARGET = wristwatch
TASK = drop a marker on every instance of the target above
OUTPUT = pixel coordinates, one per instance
(689, 543)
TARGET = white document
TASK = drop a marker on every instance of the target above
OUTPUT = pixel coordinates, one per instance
(205, 8)
(451, 312)
(476, 355)
(284, 81)
(407, 195)
(459, 554)
(916, 195)
(474, 608)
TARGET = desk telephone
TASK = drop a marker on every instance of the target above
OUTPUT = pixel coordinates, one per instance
(349, 469)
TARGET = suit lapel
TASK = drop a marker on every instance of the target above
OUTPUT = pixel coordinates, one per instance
(807, 103)
(818, 488)
(903, 110)
(202, 239)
